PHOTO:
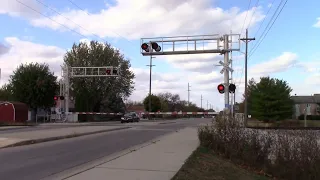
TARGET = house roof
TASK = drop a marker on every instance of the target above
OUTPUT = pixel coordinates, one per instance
(306, 99)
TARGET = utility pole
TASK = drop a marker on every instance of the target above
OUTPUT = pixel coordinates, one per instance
(207, 104)
(150, 65)
(246, 40)
(201, 101)
(189, 94)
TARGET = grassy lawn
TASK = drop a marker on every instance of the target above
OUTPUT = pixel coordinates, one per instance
(205, 165)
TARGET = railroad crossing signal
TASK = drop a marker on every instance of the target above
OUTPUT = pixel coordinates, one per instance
(58, 97)
(155, 46)
(232, 88)
(112, 71)
(220, 88)
(225, 66)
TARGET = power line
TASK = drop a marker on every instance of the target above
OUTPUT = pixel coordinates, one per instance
(253, 12)
(265, 29)
(51, 19)
(268, 29)
(90, 15)
(243, 26)
(245, 17)
(47, 6)
(264, 19)
(259, 42)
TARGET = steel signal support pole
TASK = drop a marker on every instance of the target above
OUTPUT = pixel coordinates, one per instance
(189, 94)
(226, 72)
(150, 65)
(246, 40)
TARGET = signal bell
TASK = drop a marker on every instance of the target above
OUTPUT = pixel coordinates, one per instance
(220, 88)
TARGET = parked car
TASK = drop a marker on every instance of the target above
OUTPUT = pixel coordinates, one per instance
(130, 117)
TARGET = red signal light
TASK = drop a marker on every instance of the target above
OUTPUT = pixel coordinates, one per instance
(55, 98)
(221, 88)
(145, 47)
(108, 71)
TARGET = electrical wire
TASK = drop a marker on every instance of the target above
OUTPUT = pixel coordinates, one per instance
(245, 17)
(252, 52)
(91, 14)
(256, 5)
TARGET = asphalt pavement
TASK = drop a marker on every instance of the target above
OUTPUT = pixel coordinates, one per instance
(33, 162)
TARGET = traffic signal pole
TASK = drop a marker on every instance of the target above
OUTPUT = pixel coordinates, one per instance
(226, 72)
(150, 84)
(69, 72)
(189, 94)
(246, 40)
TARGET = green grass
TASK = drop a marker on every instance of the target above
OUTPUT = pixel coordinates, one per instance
(204, 164)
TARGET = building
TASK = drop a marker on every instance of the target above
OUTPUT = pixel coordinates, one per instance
(306, 104)
(13, 112)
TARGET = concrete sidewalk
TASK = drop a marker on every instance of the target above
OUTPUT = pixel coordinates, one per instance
(30, 137)
(157, 161)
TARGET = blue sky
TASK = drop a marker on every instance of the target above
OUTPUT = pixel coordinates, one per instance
(289, 51)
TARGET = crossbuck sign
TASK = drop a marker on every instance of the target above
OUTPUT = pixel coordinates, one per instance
(225, 66)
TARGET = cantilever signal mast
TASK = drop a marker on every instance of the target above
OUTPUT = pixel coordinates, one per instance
(195, 45)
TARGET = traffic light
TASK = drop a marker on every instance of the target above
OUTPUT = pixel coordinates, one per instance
(220, 88)
(232, 88)
(108, 71)
(154, 46)
(62, 98)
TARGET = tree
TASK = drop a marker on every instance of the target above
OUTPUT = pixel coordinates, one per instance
(271, 100)
(34, 85)
(155, 103)
(251, 85)
(170, 101)
(6, 93)
(99, 94)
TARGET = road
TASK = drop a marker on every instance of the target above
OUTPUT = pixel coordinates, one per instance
(38, 161)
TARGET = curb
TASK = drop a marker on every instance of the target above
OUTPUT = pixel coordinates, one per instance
(105, 159)
(36, 141)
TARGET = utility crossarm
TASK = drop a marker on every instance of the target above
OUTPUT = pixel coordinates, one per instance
(198, 44)
(106, 71)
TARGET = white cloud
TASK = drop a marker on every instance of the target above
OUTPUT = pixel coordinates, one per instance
(317, 24)
(20, 51)
(269, 5)
(278, 64)
(129, 18)
(19, 8)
